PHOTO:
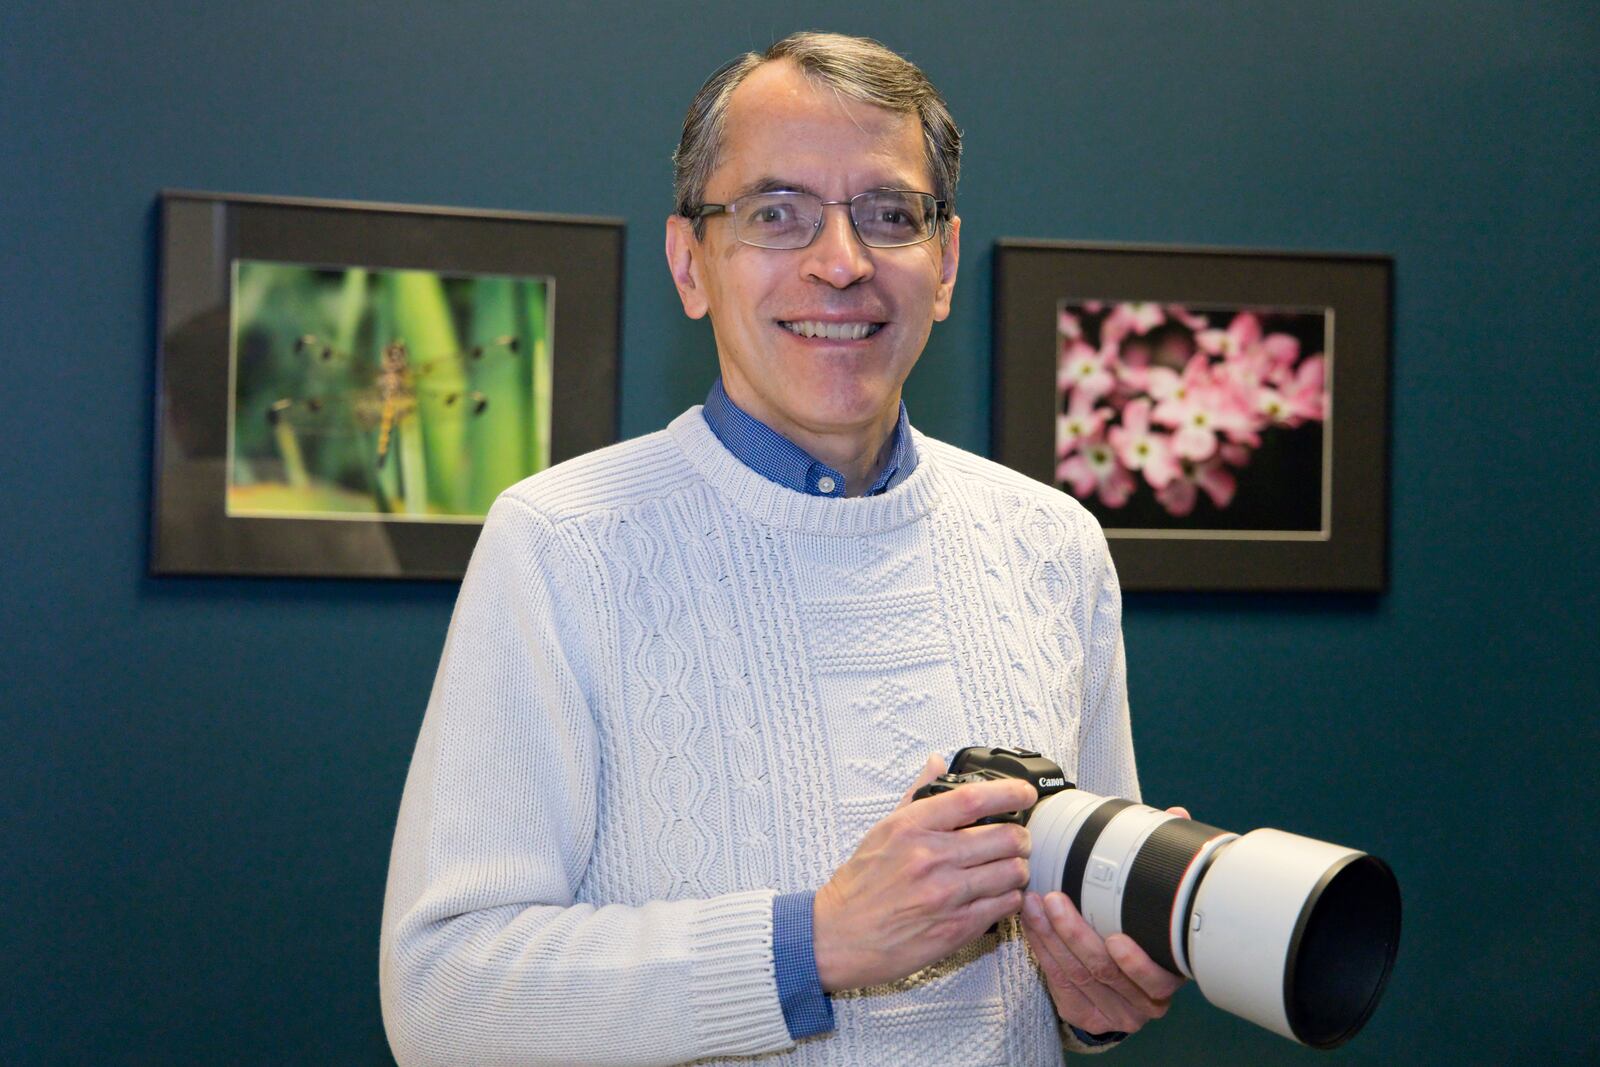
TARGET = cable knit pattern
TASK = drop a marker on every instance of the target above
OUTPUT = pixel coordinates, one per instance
(673, 689)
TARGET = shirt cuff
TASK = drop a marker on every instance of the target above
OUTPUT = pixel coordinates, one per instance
(1110, 1037)
(806, 1008)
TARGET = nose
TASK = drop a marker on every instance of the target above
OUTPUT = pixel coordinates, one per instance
(836, 256)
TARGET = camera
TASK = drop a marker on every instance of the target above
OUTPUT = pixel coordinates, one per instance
(1293, 934)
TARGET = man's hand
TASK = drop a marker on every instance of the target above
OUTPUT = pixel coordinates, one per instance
(923, 882)
(1097, 985)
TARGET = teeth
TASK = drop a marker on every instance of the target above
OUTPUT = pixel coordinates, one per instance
(833, 331)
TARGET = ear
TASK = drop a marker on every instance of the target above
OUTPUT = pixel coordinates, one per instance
(949, 259)
(684, 255)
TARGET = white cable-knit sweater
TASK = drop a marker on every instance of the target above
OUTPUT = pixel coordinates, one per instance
(672, 689)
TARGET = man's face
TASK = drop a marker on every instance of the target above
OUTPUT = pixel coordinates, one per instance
(785, 131)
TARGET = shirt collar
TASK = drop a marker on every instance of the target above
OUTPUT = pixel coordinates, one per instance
(780, 460)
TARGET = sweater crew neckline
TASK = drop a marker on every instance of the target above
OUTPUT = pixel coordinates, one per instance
(777, 505)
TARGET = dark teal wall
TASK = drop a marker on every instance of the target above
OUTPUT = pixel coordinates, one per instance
(200, 776)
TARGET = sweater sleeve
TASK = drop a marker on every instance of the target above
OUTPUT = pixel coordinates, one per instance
(486, 957)
(1105, 741)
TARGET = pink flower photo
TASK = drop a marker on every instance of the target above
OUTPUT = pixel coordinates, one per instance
(1176, 416)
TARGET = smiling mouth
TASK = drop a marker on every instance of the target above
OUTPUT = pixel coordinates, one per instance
(832, 331)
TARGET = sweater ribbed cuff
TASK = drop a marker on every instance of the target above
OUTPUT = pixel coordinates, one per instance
(733, 994)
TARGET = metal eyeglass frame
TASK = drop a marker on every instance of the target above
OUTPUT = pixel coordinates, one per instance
(941, 214)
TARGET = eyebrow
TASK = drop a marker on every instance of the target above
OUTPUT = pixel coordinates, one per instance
(771, 184)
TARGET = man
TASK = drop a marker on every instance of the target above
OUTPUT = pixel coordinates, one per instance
(660, 807)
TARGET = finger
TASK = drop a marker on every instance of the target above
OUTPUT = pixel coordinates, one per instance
(1158, 983)
(1087, 947)
(1094, 1006)
(1182, 813)
(977, 845)
(1073, 1007)
(967, 804)
(991, 880)
(984, 912)
(930, 770)
(1071, 1003)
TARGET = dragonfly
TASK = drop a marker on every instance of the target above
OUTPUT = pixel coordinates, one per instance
(392, 396)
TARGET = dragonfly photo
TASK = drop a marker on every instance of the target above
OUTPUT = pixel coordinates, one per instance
(388, 393)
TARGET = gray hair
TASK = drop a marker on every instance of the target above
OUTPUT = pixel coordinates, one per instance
(857, 67)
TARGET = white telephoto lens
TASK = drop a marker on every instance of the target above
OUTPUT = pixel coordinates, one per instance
(1293, 934)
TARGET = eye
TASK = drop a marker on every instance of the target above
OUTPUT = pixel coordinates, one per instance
(892, 218)
(772, 211)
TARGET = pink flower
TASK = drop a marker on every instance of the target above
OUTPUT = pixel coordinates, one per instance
(1218, 482)
(1141, 450)
(1082, 423)
(1083, 371)
(1167, 384)
(1243, 370)
(1133, 372)
(1196, 323)
(1242, 332)
(1128, 318)
(1199, 408)
(1283, 349)
(1199, 420)
(1094, 469)
(1177, 496)
(1068, 326)
(1273, 407)
(1301, 400)
(1163, 383)
(1306, 395)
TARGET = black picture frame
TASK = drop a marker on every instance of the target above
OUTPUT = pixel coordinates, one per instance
(203, 234)
(1034, 279)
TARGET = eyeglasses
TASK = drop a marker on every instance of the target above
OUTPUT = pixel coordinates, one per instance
(882, 218)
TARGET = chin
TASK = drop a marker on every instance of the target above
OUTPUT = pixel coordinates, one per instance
(846, 410)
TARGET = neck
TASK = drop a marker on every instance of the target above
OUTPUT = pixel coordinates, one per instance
(860, 461)
(858, 452)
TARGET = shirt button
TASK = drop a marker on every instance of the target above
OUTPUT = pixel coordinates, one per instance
(825, 484)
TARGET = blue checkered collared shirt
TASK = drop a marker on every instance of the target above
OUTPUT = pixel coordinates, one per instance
(780, 460)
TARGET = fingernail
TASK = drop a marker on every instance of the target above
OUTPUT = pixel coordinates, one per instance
(1053, 904)
(1030, 904)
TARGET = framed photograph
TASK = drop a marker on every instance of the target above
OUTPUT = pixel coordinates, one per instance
(344, 388)
(1222, 412)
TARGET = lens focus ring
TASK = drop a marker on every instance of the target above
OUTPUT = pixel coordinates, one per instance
(1153, 881)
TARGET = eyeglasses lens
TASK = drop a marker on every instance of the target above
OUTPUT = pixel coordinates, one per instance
(882, 218)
